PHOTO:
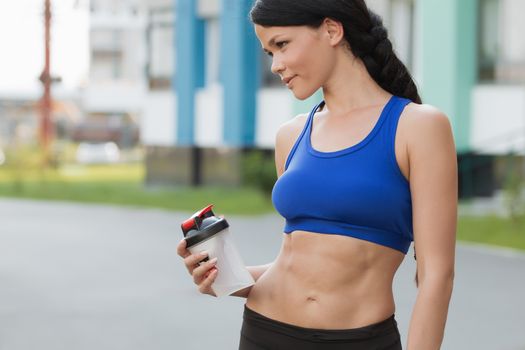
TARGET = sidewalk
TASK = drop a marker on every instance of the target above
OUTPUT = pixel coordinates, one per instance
(99, 277)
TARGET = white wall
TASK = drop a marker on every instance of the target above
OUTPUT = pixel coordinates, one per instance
(498, 119)
(126, 93)
(209, 116)
(113, 97)
(208, 8)
(512, 30)
(274, 107)
(158, 123)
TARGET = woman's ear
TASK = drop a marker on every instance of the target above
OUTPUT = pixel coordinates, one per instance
(334, 30)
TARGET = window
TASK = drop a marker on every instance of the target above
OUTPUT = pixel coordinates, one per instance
(160, 48)
(501, 48)
(401, 29)
(106, 54)
(488, 38)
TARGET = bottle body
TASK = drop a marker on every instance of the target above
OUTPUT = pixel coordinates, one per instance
(232, 274)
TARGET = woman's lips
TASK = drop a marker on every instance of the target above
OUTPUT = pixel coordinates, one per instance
(287, 81)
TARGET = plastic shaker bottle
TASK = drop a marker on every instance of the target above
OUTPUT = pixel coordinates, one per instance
(204, 231)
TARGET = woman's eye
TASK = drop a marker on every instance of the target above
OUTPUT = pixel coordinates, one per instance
(279, 45)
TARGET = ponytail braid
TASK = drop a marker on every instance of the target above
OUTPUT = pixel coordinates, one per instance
(375, 49)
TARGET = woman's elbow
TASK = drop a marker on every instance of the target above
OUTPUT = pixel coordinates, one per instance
(438, 278)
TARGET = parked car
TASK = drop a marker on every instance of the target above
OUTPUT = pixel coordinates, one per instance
(96, 153)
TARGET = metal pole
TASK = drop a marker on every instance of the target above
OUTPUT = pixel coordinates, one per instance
(45, 78)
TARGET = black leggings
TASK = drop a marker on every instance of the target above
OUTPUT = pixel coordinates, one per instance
(259, 332)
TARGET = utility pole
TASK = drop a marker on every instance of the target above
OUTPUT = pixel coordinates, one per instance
(45, 78)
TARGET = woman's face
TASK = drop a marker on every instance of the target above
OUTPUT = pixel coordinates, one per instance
(302, 56)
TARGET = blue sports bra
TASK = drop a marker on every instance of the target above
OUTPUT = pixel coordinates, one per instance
(358, 191)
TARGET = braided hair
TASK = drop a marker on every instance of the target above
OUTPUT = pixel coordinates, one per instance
(364, 33)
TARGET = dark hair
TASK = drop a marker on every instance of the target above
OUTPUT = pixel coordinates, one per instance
(363, 30)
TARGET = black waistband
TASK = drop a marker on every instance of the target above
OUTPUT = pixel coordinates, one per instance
(381, 328)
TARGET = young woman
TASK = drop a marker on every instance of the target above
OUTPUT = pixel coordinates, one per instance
(369, 170)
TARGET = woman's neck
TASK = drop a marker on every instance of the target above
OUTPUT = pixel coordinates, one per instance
(350, 87)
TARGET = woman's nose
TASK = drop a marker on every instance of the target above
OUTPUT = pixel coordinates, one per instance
(277, 65)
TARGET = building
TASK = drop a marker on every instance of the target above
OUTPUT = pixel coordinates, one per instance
(467, 57)
(113, 98)
(471, 63)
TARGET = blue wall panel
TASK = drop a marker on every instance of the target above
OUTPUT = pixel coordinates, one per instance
(189, 70)
(240, 72)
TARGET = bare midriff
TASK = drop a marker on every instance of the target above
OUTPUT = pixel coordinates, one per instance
(327, 281)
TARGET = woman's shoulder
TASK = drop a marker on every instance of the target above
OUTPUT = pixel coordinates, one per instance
(285, 138)
(423, 113)
(425, 128)
(290, 130)
(421, 121)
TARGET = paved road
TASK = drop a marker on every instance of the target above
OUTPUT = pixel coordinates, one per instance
(99, 277)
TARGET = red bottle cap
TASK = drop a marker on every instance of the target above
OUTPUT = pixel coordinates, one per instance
(203, 213)
(194, 221)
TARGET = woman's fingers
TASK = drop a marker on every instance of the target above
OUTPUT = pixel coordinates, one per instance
(192, 261)
(205, 286)
(204, 272)
(200, 273)
(181, 249)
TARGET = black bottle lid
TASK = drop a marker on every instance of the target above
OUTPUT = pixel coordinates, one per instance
(202, 225)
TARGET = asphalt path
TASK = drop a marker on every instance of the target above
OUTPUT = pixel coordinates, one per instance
(77, 276)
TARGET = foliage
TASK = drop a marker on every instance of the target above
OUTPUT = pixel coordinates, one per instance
(258, 170)
(514, 190)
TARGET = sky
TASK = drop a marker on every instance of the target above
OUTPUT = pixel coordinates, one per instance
(22, 43)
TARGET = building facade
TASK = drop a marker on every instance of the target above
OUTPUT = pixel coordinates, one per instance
(211, 93)
(113, 97)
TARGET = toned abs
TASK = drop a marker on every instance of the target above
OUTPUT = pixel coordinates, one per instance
(328, 282)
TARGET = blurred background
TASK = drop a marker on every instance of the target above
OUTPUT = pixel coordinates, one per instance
(171, 104)
(179, 93)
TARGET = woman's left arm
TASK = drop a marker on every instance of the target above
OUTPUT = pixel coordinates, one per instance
(434, 185)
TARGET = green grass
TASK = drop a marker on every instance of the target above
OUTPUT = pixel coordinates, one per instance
(123, 185)
(492, 230)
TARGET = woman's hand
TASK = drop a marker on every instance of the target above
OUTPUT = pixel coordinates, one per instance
(204, 273)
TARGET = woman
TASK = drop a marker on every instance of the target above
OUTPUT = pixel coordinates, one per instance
(366, 172)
